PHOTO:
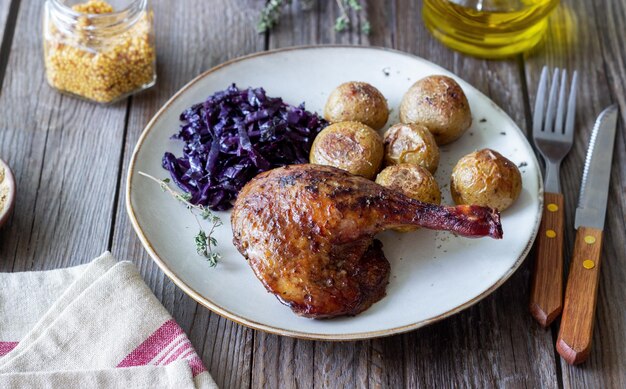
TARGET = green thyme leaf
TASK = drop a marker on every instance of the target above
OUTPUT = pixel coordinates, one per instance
(213, 259)
(202, 244)
(341, 24)
(206, 214)
(354, 4)
(205, 241)
(271, 13)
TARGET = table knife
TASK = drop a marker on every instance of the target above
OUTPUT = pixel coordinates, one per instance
(574, 340)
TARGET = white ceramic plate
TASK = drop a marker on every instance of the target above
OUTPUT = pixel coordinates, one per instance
(433, 274)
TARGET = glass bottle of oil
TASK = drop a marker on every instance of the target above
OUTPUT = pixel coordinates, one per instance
(488, 28)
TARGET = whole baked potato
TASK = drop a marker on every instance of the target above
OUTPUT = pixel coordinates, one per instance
(358, 102)
(413, 181)
(411, 143)
(439, 103)
(350, 146)
(486, 178)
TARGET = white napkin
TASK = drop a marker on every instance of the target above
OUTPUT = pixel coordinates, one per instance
(94, 325)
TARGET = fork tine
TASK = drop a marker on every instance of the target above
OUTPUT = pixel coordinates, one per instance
(548, 126)
(540, 101)
(571, 107)
(560, 110)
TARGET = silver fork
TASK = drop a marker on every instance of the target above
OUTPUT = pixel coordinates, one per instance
(553, 133)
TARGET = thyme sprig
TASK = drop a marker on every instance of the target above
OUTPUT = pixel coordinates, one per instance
(205, 241)
(270, 15)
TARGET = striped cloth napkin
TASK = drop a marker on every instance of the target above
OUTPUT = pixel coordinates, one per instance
(94, 325)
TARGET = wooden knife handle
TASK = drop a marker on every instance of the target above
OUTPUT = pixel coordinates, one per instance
(574, 341)
(546, 292)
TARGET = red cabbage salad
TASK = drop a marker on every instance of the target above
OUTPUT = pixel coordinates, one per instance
(233, 136)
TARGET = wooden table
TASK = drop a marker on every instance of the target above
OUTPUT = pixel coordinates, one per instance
(70, 159)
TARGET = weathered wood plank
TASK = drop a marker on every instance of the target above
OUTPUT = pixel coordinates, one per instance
(4, 10)
(281, 362)
(66, 171)
(348, 364)
(5, 7)
(587, 36)
(497, 334)
(507, 340)
(197, 36)
(610, 352)
(65, 204)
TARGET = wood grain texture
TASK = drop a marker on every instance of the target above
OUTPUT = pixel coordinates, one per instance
(489, 334)
(546, 291)
(583, 36)
(281, 362)
(65, 155)
(190, 41)
(70, 159)
(4, 11)
(611, 322)
(575, 333)
(7, 26)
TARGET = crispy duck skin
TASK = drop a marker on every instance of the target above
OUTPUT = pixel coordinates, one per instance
(308, 231)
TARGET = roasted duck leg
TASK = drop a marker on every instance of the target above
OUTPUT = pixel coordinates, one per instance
(308, 234)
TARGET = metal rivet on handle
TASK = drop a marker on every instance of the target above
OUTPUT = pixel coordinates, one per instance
(553, 207)
(551, 234)
(590, 239)
(589, 264)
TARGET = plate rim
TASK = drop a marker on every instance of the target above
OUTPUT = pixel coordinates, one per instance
(308, 335)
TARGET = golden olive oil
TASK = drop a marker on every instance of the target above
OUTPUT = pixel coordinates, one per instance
(488, 28)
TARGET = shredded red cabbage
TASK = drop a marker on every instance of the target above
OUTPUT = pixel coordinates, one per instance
(233, 136)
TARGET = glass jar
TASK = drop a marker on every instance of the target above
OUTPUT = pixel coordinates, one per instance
(488, 28)
(97, 52)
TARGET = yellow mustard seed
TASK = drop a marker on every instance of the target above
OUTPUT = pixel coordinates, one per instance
(100, 68)
(93, 7)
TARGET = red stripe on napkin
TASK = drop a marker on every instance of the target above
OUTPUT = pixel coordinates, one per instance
(6, 347)
(166, 340)
(153, 345)
(196, 366)
(176, 354)
(167, 351)
(189, 353)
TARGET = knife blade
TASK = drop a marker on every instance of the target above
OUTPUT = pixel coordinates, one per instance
(594, 189)
(576, 332)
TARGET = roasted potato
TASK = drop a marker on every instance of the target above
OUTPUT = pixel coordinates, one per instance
(413, 181)
(486, 178)
(350, 146)
(438, 103)
(411, 143)
(358, 102)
